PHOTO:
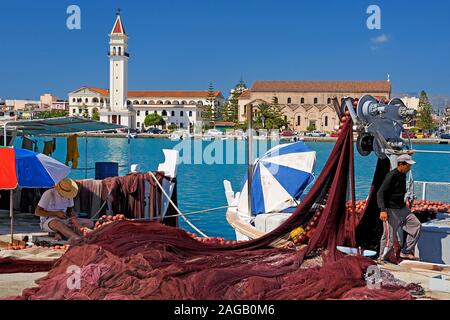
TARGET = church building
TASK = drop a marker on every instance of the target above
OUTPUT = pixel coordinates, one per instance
(118, 105)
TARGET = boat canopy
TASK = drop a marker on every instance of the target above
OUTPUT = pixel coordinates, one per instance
(64, 125)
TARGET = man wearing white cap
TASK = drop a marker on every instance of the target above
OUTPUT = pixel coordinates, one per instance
(395, 212)
(56, 210)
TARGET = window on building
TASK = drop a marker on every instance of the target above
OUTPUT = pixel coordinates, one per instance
(120, 51)
(156, 112)
(298, 120)
(114, 51)
(74, 100)
(138, 113)
(302, 100)
(138, 124)
(86, 100)
(172, 113)
(316, 100)
(181, 113)
(190, 113)
(289, 100)
(80, 111)
(164, 113)
(326, 121)
(285, 118)
(146, 113)
(329, 100)
(74, 111)
(181, 125)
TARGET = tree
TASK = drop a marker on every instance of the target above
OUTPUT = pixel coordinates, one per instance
(230, 111)
(425, 110)
(209, 114)
(51, 114)
(269, 116)
(153, 120)
(95, 115)
(172, 127)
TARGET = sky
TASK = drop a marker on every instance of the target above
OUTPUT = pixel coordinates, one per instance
(185, 45)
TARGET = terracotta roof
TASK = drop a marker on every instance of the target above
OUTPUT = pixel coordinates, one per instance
(322, 86)
(159, 94)
(171, 94)
(103, 92)
(118, 27)
(245, 95)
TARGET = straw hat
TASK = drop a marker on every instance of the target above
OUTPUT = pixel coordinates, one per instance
(67, 188)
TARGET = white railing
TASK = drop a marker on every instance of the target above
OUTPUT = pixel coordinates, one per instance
(432, 191)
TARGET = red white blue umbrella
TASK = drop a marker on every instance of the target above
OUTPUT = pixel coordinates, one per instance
(28, 169)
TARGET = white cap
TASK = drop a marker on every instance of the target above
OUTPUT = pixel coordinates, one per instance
(405, 158)
(134, 168)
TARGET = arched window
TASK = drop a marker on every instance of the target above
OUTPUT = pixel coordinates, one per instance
(200, 102)
(190, 113)
(289, 100)
(181, 114)
(146, 112)
(302, 100)
(192, 102)
(128, 102)
(101, 100)
(316, 100)
(95, 100)
(184, 102)
(326, 121)
(159, 102)
(167, 102)
(79, 100)
(176, 102)
(86, 100)
(181, 125)
(151, 102)
(120, 51)
(136, 103)
(298, 120)
(114, 51)
(74, 100)
(164, 113)
(172, 113)
(138, 113)
(329, 100)
(143, 102)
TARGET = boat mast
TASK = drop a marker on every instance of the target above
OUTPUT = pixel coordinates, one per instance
(250, 158)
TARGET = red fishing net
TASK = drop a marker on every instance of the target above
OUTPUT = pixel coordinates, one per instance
(9, 265)
(141, 260)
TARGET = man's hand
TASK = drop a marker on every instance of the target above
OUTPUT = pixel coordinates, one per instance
(60, 214)
(384, 216)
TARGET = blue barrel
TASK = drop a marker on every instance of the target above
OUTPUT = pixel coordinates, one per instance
(105, 170)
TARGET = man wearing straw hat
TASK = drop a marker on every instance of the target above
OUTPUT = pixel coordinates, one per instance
(56, 210)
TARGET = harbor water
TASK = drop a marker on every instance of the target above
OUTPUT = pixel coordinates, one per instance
(200, 186)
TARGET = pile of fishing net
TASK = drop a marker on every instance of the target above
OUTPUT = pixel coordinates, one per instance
(130, 260)
(298, 260)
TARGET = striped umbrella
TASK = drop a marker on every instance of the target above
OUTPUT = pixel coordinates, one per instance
(28, 169)
(279, 178)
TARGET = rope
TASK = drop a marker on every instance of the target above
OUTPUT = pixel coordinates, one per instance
(175, 207)
(191, 213)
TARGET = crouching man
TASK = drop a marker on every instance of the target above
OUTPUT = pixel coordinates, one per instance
(55, 209)
(395, 213)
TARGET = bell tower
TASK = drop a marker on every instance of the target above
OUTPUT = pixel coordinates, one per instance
(118, 67)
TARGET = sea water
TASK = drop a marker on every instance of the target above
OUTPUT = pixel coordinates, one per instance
(200, 186)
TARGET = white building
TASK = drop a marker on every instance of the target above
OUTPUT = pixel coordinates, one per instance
(411, 102)
(129, 108)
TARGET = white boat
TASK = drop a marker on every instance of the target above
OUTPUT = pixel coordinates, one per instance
(180, 135)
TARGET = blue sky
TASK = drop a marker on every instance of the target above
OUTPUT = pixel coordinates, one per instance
(179, 44)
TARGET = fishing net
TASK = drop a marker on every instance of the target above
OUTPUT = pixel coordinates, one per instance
(298, 260)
